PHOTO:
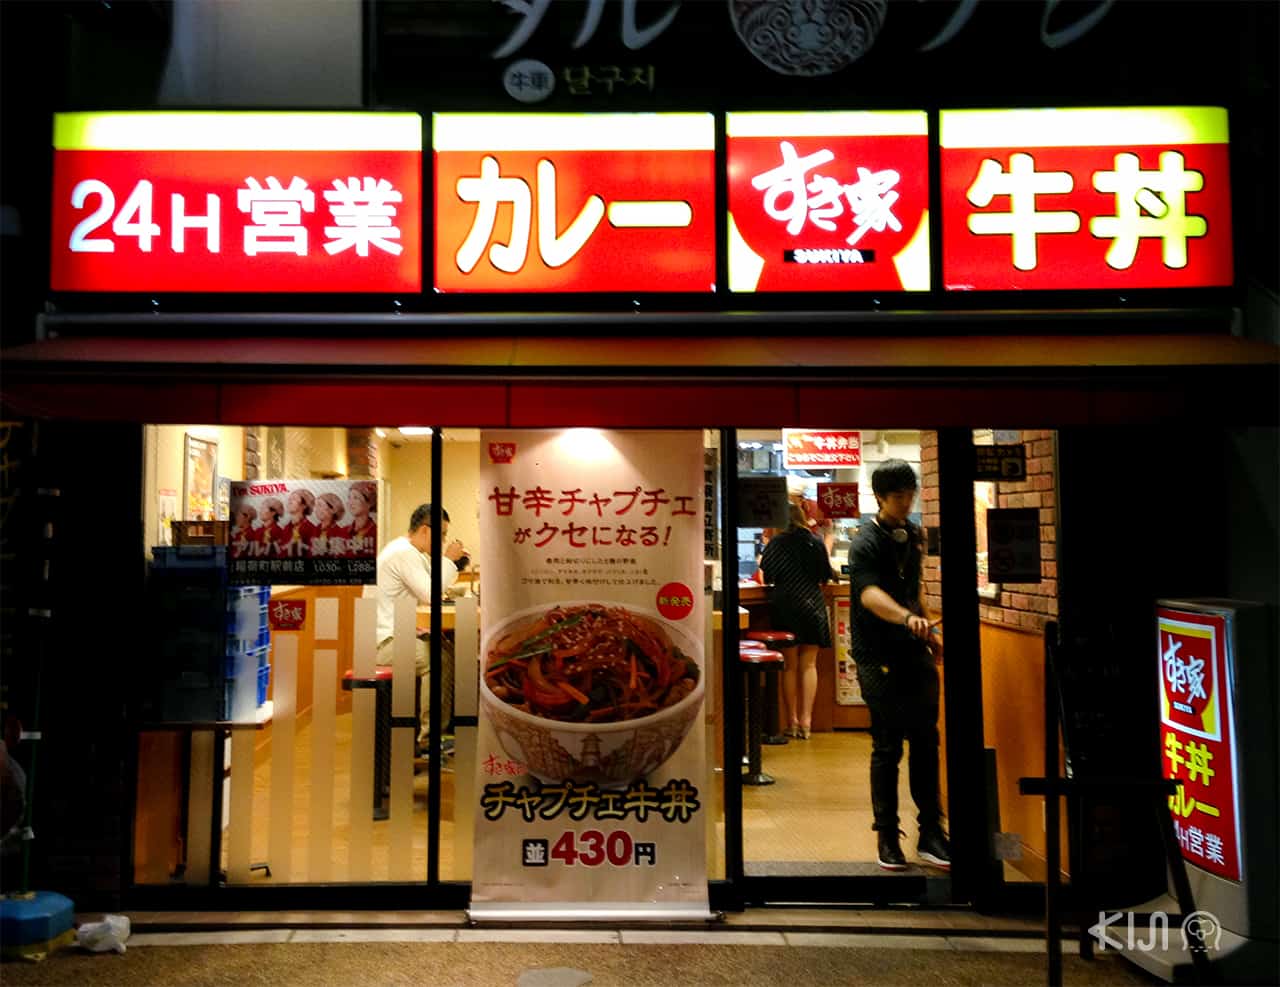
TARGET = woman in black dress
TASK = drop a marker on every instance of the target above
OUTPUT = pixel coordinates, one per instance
(795, 565)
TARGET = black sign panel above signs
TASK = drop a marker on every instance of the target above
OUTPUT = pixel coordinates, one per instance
(1002, 462)
(633, 55)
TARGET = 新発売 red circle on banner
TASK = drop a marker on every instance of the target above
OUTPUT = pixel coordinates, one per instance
(675, 601)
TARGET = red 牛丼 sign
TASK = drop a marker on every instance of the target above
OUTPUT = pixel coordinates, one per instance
(806, 448)
(574, 202)
(237, 202)
(835, 201)
(1118, 198)
(1196, 741)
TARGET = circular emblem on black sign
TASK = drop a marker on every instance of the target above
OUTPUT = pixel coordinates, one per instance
(808, 37)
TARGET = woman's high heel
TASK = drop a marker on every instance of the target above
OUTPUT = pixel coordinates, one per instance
(804, 732)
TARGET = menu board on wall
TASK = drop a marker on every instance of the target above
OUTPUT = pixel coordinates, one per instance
(591, 751)
(848, 688)
(1115, 198)
(1196, 738)
(828, 201)
(237, 202)
(574, 202)
(304, 532)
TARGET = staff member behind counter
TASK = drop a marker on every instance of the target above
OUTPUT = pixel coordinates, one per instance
(404, 570)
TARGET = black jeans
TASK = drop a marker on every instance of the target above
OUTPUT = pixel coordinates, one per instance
(889, 728)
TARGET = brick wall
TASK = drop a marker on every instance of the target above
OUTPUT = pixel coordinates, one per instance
(1029, 605)
(929, 518)
(1022, 605)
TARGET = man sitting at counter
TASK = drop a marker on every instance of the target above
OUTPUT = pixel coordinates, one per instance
(404, 571)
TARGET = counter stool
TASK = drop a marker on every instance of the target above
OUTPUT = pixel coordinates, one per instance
(381, 683)
(772, 639)
(758, 664)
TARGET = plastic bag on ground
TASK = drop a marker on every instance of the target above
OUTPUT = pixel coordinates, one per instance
(108, 935)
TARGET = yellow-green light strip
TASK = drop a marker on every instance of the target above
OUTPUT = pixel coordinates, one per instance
(572, 132)
(1091, 127)
(840, 123)
(236, 131)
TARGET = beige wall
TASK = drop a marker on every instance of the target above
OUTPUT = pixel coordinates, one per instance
(164, 452)
(408, 474)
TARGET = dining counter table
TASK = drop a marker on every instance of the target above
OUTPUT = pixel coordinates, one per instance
(448, 616)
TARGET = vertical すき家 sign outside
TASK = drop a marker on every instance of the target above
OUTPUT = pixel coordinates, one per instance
(1197, 740)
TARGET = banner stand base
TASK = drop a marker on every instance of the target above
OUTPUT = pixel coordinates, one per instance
(589, 911)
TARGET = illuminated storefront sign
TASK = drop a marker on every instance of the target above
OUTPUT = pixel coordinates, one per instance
(574, 202)
(807, 448)
(1085, 198)
(828, 201)
(1196, 741)
(237, 202)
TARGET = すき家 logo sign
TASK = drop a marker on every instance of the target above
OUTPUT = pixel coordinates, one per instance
(502, 452)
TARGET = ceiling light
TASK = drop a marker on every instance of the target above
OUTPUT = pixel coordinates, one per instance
(414, 430)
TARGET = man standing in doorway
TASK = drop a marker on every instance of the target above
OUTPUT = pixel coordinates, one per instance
(404, 571)
(891, 635)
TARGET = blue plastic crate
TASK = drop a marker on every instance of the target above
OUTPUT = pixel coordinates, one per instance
(189, 557)
(264, 679)
(247, 620)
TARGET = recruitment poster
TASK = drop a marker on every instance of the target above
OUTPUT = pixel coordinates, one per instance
(303, 532)
(590, 756)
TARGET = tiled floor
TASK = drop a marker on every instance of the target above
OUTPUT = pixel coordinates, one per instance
(815, 818)
(629, 937)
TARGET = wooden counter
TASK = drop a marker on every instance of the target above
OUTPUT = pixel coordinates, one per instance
(447, 619)
(827, 714)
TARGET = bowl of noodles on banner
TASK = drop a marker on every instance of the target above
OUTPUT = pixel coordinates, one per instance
(590, 692)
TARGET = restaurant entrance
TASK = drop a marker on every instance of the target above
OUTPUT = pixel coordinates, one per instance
(788, 808)
(94, 430)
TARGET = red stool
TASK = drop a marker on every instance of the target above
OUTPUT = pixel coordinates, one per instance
(381, 682)
(773, 713)
(757, 664)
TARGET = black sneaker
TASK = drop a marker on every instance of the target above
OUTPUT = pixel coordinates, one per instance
(933, 848)
(889, 851)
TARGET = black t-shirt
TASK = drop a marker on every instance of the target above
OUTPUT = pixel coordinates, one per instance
(875, 559)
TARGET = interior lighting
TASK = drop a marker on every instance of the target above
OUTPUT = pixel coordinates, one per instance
(412, 430)
(588, 445)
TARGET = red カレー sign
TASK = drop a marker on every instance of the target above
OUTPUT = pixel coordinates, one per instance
(838, 500)
(828, 201)
(806, 448)
(574, 203)
(1197, 745)
(237, 202)
(1085, 198)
